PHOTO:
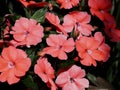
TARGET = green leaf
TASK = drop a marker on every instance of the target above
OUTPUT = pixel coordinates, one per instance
(39, 15)
(66, 63)
(93, 79)
(32, 54)
(27, 12)
(29, 82)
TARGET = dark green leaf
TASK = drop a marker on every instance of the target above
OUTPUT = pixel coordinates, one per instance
(29, 82)
(31, 52)
(93, 79)
(39, 15)
(66, 63)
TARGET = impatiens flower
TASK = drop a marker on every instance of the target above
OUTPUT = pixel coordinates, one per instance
(59, 45)
(72, 79)
(32, 3)
(79, 21)
(115, 35)
(88, 51)
(102, 45)
(68, 4)
(111, 29)
(27, 32)
(14, 63)
(45, 71)
(54, 19)
(99, 7)
(109, 23)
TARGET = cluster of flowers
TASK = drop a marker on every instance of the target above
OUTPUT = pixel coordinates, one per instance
(14, 61)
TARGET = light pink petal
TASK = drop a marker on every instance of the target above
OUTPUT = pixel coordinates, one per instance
(92, 43)
(53, 85)
(44, 69)
(78, 72)
(85, 29)
(21, 53)
(9, 53)
(62, 79)
(50, 51)
(62, 55)
(70, 86)
(38, 70)
(12, 78)
(82, 83)
(98, 36)
(66, 5)
(3, 65)
(75, 2)
(52, 40)
(54, 52)
(68, 23)
(4, 75)
(98, 55)
(24, 22)
(52, 18)
(22, 66)
(19, 36)
(88, 61)
(81, 17)
(68, 46)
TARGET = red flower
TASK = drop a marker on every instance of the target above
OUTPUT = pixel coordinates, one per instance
(87, 48)
(13, 64)
(54, 19)
(32, 3)
(72, 79)
(68, 4)
(79, 21)
(99, 7)
(109, 23)
(102, 45)
(58, 45)
(27, 32)
(115, 35)
(45, 71)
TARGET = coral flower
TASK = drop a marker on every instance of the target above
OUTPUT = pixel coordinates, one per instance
(27, 32)
(102, 45)
(72, 79)
(32, 3)
(87, 48)
(13, 64)
(45, 71)
(79, 21)
(68, 4)
(115, 35)
(109, 23)
(99, 7)
(54, 20)
(58, 45)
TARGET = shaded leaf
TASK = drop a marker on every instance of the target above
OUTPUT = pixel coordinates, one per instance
(39, 15)
(66, 63)
(29, 82)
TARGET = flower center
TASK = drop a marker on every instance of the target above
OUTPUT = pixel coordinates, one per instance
(78, 24)
(11, 64)
(89, 51)
(59, 47)
(72, 80)
(26, 33)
